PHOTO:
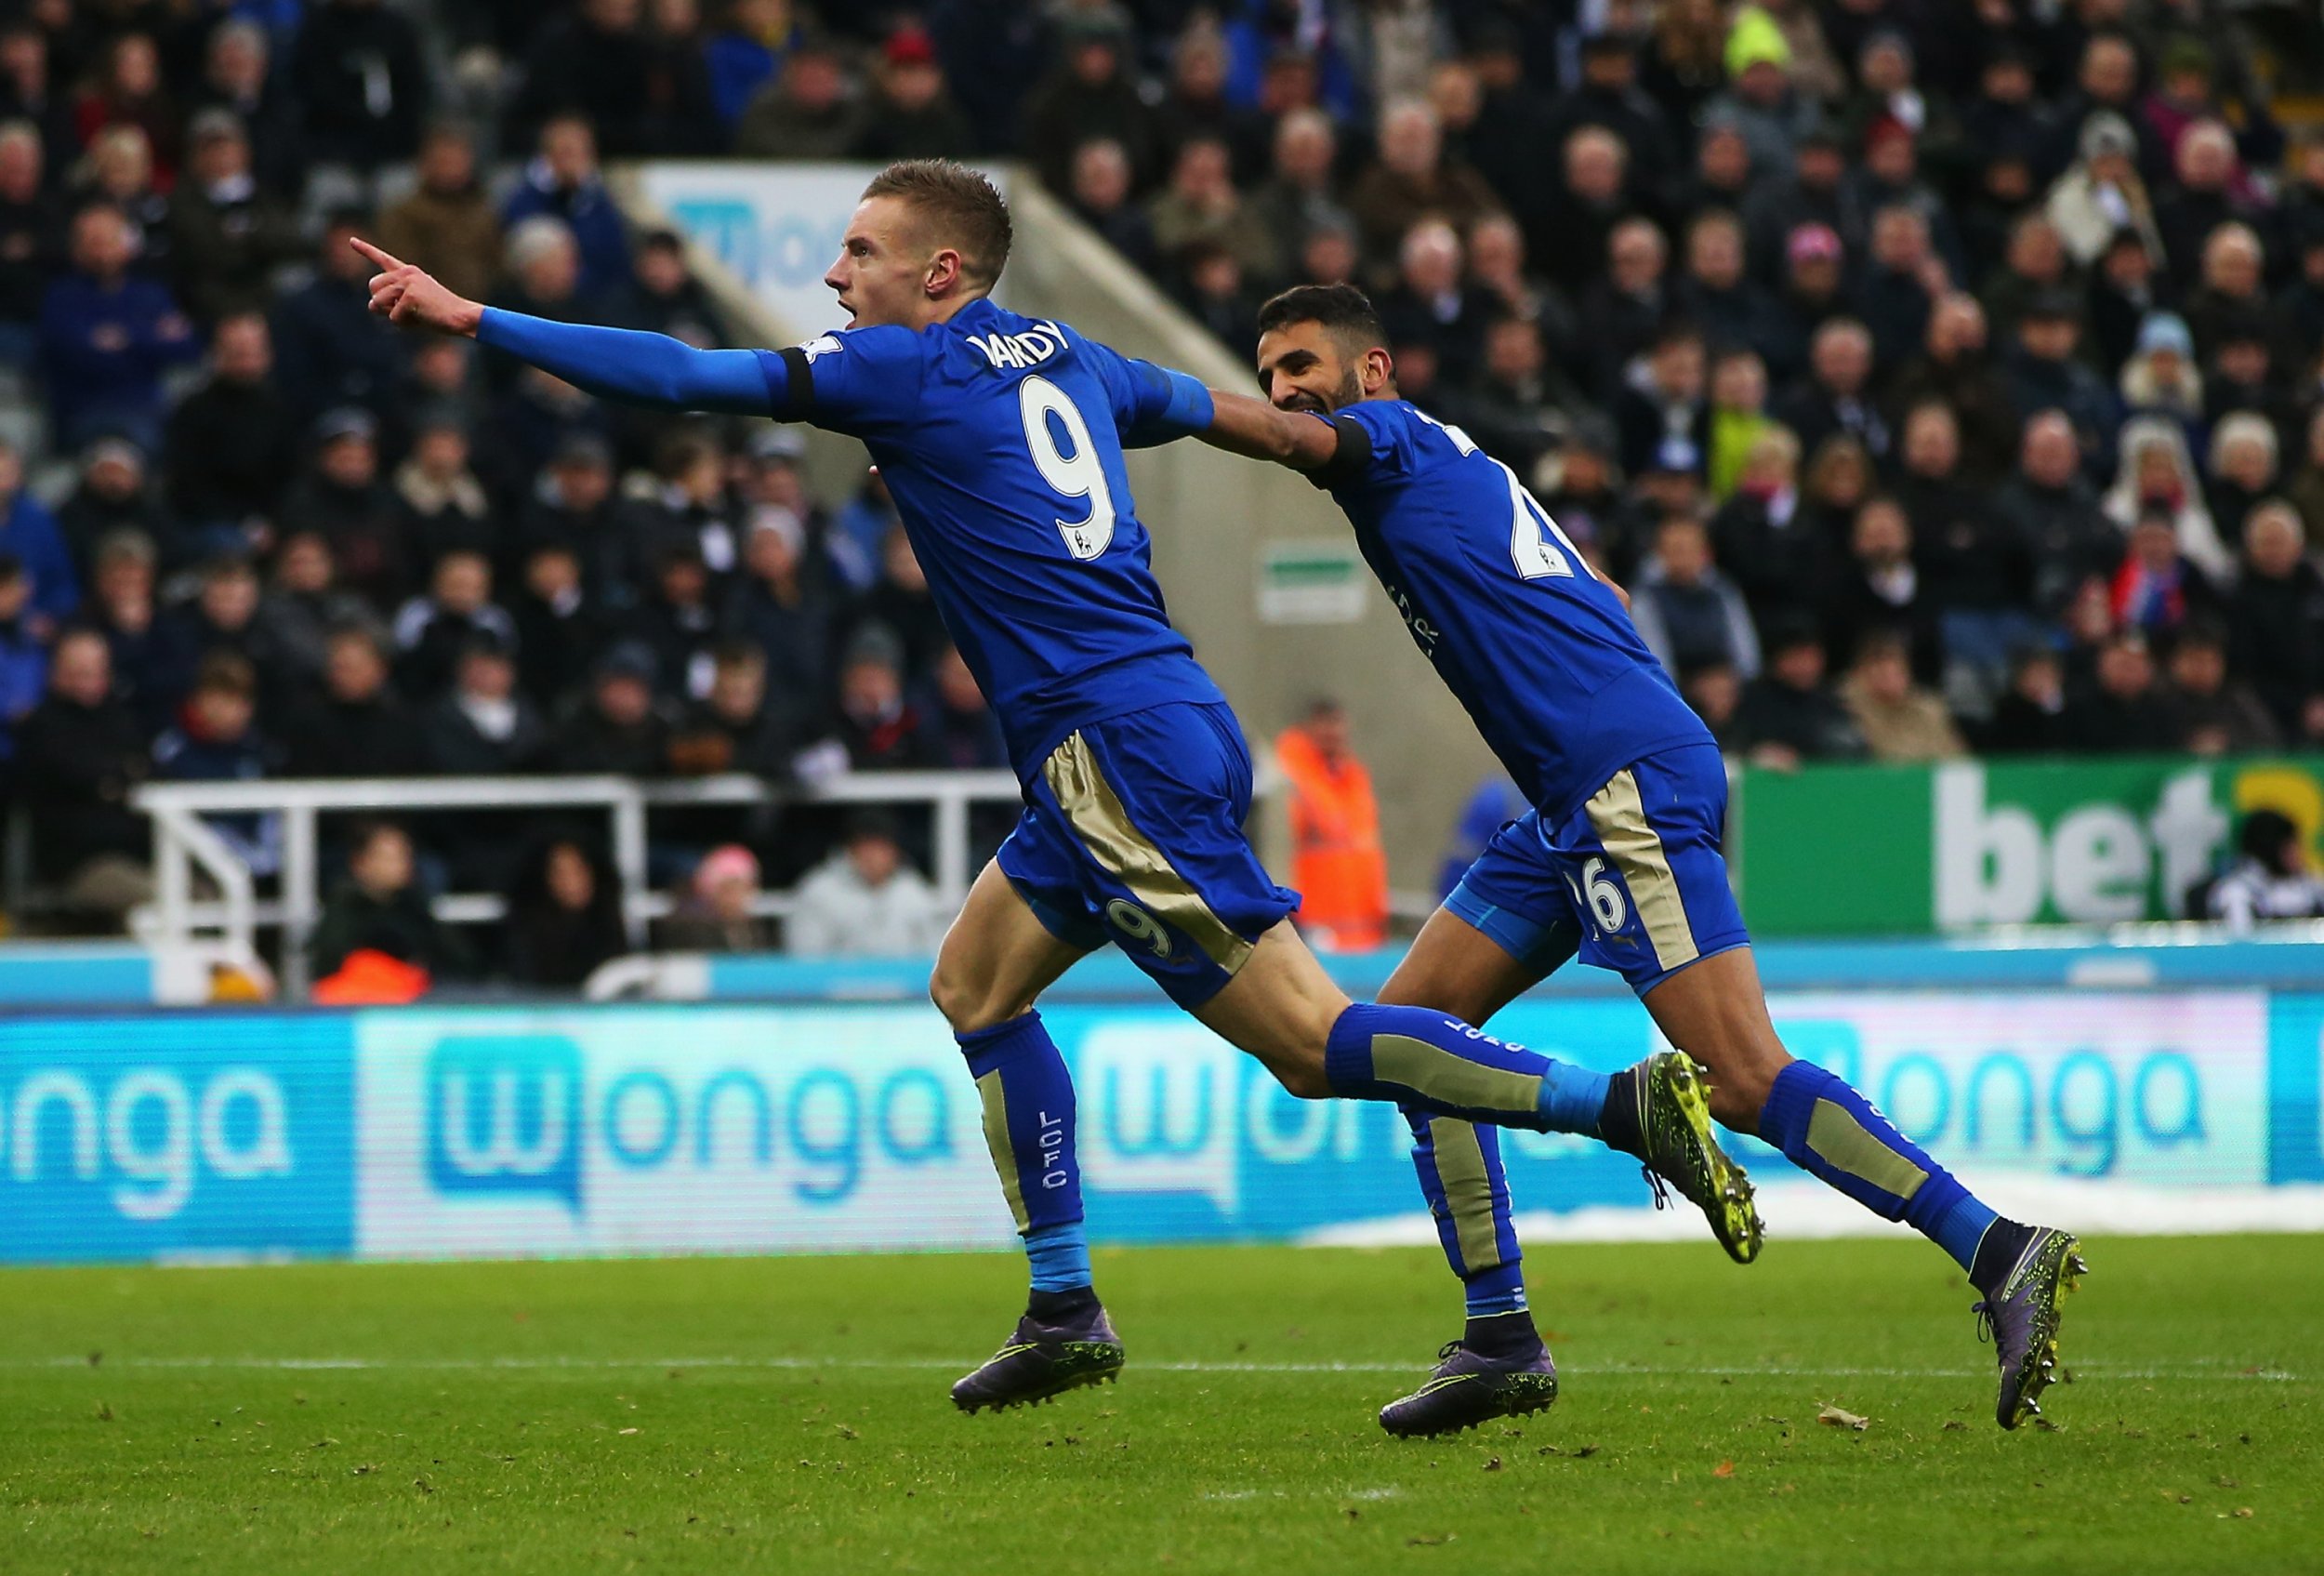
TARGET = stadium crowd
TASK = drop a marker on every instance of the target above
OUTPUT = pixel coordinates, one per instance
(1935, 376)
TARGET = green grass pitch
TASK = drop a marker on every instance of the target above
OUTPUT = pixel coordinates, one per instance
(790, 1415)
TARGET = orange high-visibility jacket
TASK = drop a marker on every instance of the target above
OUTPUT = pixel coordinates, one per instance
(1335, 859)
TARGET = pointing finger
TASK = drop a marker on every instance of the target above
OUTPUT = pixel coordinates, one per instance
(382, 258)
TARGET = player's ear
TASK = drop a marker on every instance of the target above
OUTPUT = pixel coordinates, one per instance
(943, 272)
(1378, 370)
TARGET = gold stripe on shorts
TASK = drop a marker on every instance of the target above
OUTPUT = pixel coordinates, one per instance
(988, 1092)
(1468, 1192)
(1095, 812)
(1628, 838)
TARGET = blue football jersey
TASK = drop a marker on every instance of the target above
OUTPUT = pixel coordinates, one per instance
(999, 437)
(1535, 647)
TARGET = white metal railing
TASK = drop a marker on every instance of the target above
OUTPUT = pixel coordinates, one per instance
(183, 843)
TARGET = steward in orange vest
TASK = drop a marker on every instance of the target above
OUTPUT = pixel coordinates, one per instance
(1335, 859)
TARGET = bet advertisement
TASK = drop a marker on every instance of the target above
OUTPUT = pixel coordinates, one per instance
(1864, 850)
(486, 1132)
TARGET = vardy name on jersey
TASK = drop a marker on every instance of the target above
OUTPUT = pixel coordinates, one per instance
(1000, 438)
(1536, 648)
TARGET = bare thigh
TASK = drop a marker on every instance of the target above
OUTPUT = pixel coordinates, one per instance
(1716, 1012)
(1280, 1007)
(996, 959)
(1456, 969)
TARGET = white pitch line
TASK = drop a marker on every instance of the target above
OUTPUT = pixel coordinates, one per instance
(795, 1365)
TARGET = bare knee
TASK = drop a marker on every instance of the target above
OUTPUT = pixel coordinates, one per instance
(968, 1003)
(1303, 1079)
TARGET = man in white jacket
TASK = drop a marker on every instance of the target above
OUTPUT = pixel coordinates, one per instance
(867, 902)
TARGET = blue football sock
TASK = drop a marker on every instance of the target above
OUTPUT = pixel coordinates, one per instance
(1028, 1099)
(1415, 1056)
(1825, 1127)
(1460, 1167)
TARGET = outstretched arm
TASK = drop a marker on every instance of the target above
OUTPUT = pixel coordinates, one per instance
(1256, 430)
(616, 363)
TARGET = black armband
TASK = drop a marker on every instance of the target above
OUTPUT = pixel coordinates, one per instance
(799, 386)
(1350, 456)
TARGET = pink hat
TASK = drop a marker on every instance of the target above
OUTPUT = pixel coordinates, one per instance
(730, 862)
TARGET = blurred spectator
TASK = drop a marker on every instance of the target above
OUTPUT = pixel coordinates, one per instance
(1607, 95)
(2199, 203)
(2126, 712)
(618, 726)
(662, 295)
(865, 901)
(2215, 714)
(1200, 207)
(1877, 591)
(2027, 718)
(1663, 411)
(558, 622)
(1089, 94)
(2156, 589)
(483, 727)
(805, 112)
(878, 724)
(1337, 863)
(1628, 304)
(30, 537)
(31, 240)
(2307, 490)
(901, 603)
(2161, 376)
(571, 507)
(1957, 370)
(216, 740)
(1570, 229)
(379, 908)
(233, 444)
(959, 731)
(434, 630)
(356, 725)
(442, 504)
(106, 338)
(1300, 194)
(359, 72)
(1101, 197)
(447, 225)
(2157, 473)
(343, 499)
(1432, 305)
(2047, 373)
(2056, 513)
(1788, 714)
(2277, 616)
(1738, 421)
(114, 493)
(591, 63)
(1760, 98)
(1898, 719)
(563, 182)
(150, 663)
(911, 115)
(228, 235)
(1514, 407)
(126, 91)
(1803, 194)
(1412, 178)
(328, 349)
(2104, 195)
(28, 91)
(23, 660)
(1835, 396)
(788, 605)
(1978, 568)
(78, 756)
(2242, 466)
(2272, 878)
(236, 78)
(1772, 551)
(732, 728)
(564, 917)
(1689, 614)
(677, 621)
(714, 913)
(303, 604)
(749, 51)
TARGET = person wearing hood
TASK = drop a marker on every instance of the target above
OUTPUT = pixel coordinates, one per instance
(2154, 472)
(2102, 193)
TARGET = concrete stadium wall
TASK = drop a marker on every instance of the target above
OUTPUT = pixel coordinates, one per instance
(1212, 517)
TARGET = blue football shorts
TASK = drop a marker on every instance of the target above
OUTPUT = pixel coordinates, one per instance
(1133, 833)
(1633, 881)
